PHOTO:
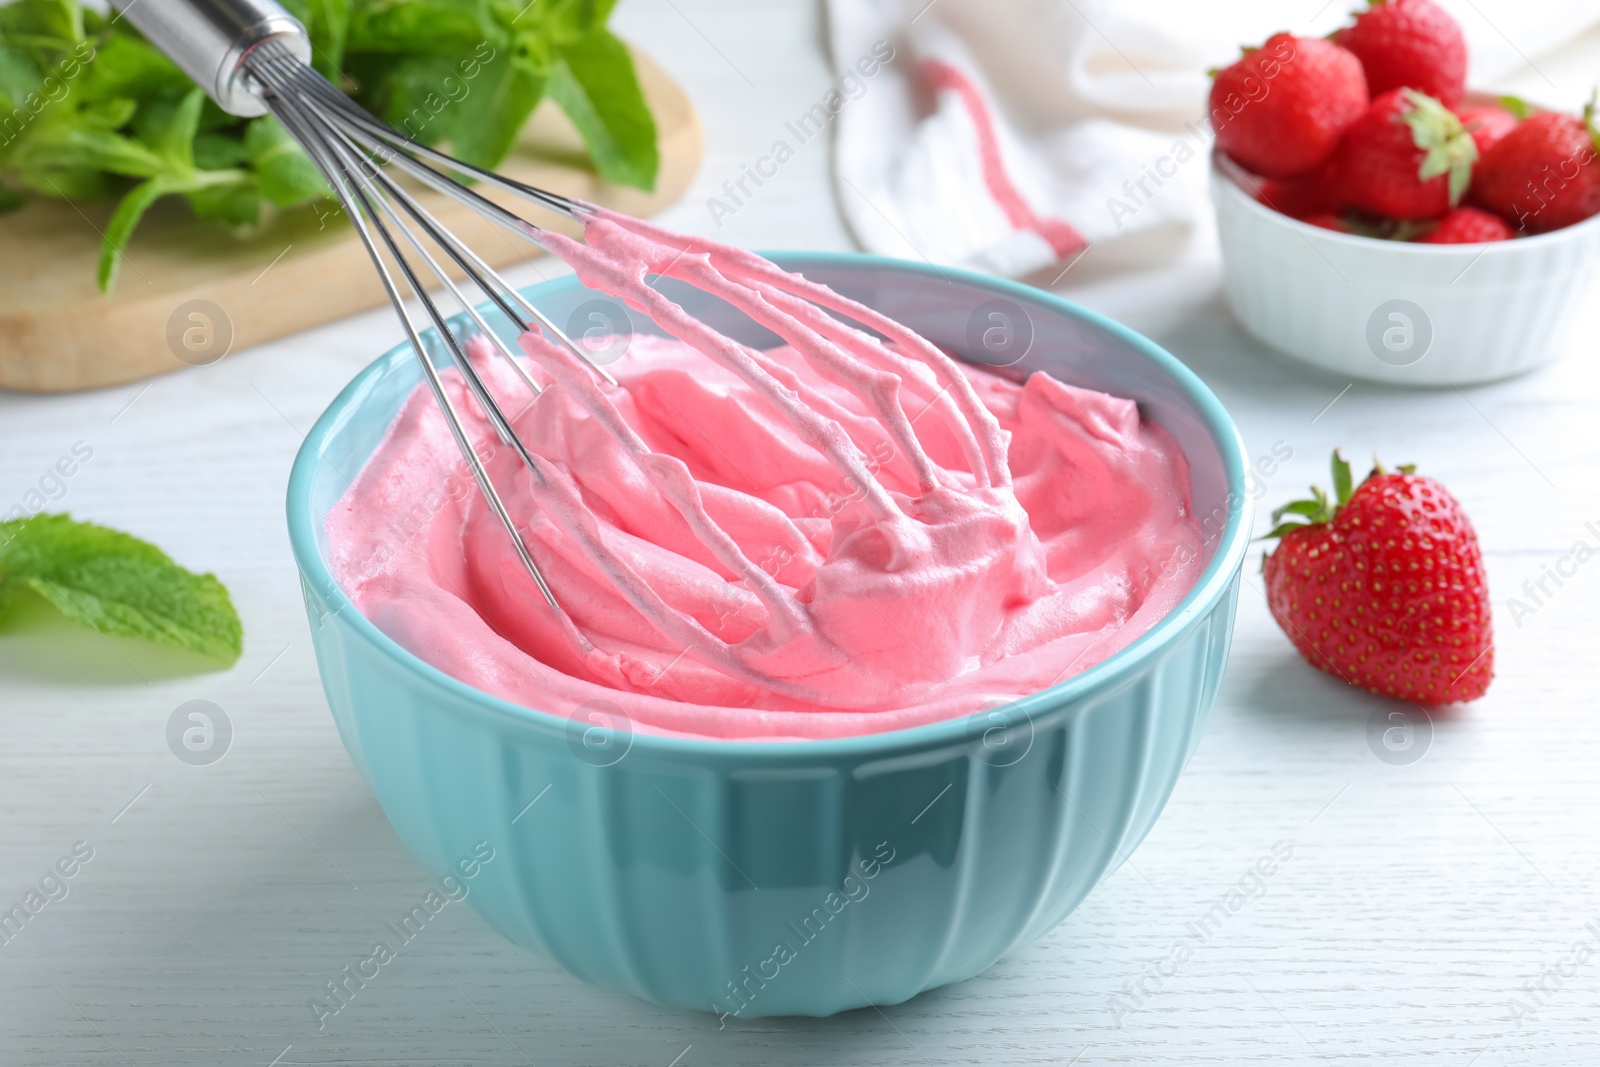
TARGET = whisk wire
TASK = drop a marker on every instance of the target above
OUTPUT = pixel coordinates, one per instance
(325, 92)
(361, 202)
(343, 115)
(351, 154)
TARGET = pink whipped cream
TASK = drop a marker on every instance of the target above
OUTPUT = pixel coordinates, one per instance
(829, 538)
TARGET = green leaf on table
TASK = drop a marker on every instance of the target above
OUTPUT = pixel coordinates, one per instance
(594, 82)
(118, 584)
(285, 175)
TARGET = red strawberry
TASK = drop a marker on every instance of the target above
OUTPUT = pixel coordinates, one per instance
(1327, 220)
(1466, 226)
(1409, 44)
(1487, 123)
(1544, 174)
(1280, 110)
(1406, 157)
(1310, 194)
(1385, 588)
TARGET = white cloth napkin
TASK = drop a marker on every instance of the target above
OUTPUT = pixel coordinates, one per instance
(1011, 135)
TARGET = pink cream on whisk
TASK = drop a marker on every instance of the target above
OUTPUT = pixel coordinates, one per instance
(829, 538)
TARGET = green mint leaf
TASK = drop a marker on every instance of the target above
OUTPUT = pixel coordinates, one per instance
(110, 114)
(488, 119)
(218, 151)
(47, 24)
(176, 144)
(285, 175)
(69, 183)
(118, 584)
(422, 96)
(232, 204)
(558, 21)
(168, 128)
(130, 67)
(595, 84)
(123, 220)
(19, 74)
(418, 27)
(60, 146)
(327, 23)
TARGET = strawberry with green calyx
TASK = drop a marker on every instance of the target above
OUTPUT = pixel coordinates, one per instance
(1383, 586)
(1406, 157)
(1544, 174)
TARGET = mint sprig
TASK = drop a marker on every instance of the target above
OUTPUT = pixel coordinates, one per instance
(94, 112)
(117, 584)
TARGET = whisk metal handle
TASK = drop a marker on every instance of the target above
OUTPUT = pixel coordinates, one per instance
(209, 40)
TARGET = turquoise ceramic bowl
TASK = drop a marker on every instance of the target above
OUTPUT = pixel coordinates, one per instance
(805, 878)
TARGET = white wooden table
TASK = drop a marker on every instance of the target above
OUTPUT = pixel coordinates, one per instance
(1420, 903)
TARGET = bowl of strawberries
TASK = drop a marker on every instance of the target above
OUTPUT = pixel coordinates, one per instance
(1379, 221)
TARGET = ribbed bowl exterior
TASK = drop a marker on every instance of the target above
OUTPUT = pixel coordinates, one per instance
(753, 879)
(1476, 313)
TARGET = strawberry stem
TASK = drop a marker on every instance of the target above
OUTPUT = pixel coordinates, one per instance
(1319, 508)
(1341, 479)
(1447, 148)
(1517, 106)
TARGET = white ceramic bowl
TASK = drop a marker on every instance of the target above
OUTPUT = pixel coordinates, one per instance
(1388, 311)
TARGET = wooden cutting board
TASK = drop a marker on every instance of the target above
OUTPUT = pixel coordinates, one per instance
(189, 292)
